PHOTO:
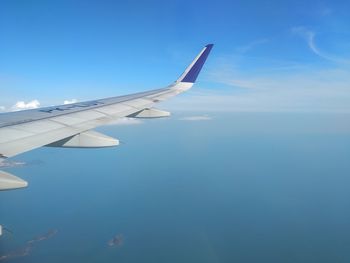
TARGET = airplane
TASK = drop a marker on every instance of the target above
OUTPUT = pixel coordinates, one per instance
(72, 125)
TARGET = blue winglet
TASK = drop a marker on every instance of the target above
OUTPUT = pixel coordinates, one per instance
(192, 72)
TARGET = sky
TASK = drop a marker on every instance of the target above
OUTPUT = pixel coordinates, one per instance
(269, 56)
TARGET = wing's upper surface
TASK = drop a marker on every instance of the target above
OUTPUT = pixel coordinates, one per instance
(70, 124)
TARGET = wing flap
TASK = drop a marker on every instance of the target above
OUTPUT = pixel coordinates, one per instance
(88, 139)
(9, 181)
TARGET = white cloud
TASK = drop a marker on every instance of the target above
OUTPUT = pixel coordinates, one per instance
(70, 101)
(2, 108)
(21, 105)
(196, 118)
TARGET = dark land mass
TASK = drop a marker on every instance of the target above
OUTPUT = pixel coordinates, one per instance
(27, 249)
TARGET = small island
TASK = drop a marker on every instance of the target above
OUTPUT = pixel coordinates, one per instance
(116, 241)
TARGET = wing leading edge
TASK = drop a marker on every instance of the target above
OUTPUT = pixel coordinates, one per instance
(70, 125)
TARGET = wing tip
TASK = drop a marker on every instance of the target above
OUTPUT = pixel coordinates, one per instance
(192, 72)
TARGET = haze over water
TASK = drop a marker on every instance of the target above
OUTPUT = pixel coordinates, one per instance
(232, 187)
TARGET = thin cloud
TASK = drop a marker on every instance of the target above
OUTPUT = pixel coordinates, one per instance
(252, 45)
(310, 39)
(310, 36)
(11, 164)
(301, 89)
(126, 121)
(196, 118)
(325, 11)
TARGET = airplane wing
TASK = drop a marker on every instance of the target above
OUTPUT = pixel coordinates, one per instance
(71, 125)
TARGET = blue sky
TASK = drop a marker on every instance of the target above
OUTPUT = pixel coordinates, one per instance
(268, 55)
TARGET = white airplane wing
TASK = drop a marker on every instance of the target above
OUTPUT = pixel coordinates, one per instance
(71, 125)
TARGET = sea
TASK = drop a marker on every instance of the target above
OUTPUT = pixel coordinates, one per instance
(196, 187)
